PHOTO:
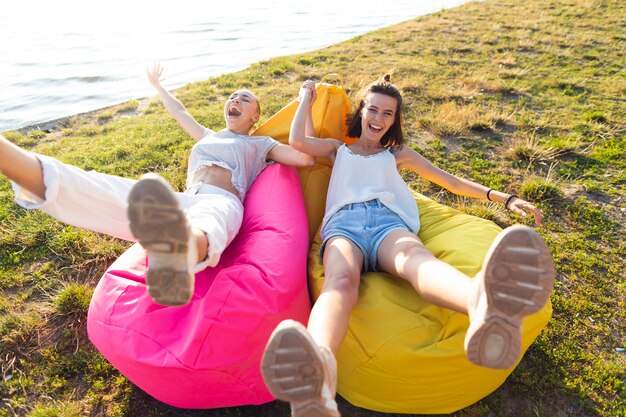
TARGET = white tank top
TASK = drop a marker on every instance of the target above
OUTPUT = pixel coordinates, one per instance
(356, 178)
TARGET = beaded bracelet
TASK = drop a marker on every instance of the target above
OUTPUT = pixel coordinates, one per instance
(508, 201)
(490, 190)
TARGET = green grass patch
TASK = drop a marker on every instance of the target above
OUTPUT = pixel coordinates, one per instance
(72, 300)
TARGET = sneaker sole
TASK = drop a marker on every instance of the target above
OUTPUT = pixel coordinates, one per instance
(160, 225)
(293, 370)
(518, 278)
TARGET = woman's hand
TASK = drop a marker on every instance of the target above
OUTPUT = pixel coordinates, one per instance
(174, 107)
(521, 207)
(155, 74)
(307, 92)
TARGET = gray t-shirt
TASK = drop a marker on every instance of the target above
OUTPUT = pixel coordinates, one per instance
(245, 156)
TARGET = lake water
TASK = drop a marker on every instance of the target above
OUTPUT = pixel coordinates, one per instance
(63, 57)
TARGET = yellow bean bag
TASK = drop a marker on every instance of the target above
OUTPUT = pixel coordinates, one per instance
(402, 354)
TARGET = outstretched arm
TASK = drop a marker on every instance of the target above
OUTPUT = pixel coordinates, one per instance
(174, 106)
(409, 158)
(300, 135)
(287, 155)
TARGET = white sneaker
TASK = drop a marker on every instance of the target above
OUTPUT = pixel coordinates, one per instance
(516, 280)
(161, 227)
(297, 370)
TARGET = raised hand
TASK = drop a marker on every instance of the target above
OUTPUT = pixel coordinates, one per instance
(307, 92)
(155, 74)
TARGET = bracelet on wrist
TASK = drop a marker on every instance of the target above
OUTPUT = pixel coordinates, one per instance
(488, 198)
(509, 200)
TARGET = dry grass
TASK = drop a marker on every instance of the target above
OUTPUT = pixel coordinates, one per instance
(452, 119)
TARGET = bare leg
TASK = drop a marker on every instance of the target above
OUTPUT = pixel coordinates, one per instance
(328, 322)
(299, 365)
(402, 254)
(516, 280)
(202, 244)
(21, 167)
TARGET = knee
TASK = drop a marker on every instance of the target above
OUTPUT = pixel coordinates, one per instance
(344, 283)
(420, 253)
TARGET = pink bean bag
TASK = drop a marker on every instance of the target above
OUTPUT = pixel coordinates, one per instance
(206, 354)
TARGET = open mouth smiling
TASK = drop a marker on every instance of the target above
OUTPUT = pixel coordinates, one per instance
(234, 111)
(375, 129)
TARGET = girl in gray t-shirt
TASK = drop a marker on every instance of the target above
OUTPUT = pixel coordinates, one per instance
(182, 232)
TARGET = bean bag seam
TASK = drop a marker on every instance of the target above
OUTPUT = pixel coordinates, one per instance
(224, 302)
(112, 311)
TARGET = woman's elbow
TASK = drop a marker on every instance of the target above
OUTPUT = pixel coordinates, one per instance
(296, 141)
(307, 161)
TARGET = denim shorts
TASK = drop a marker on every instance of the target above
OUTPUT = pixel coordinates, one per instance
(366, 225)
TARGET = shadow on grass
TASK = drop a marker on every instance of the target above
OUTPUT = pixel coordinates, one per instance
(141, 404)
(537, 387)
(531, 390)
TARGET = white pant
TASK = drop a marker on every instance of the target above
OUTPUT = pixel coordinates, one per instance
(98, 202)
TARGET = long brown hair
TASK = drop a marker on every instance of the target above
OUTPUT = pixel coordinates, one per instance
(393, 137)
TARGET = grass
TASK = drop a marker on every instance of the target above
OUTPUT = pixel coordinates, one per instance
(524, 97)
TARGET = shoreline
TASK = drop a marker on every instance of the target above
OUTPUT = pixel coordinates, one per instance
(55, 125)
